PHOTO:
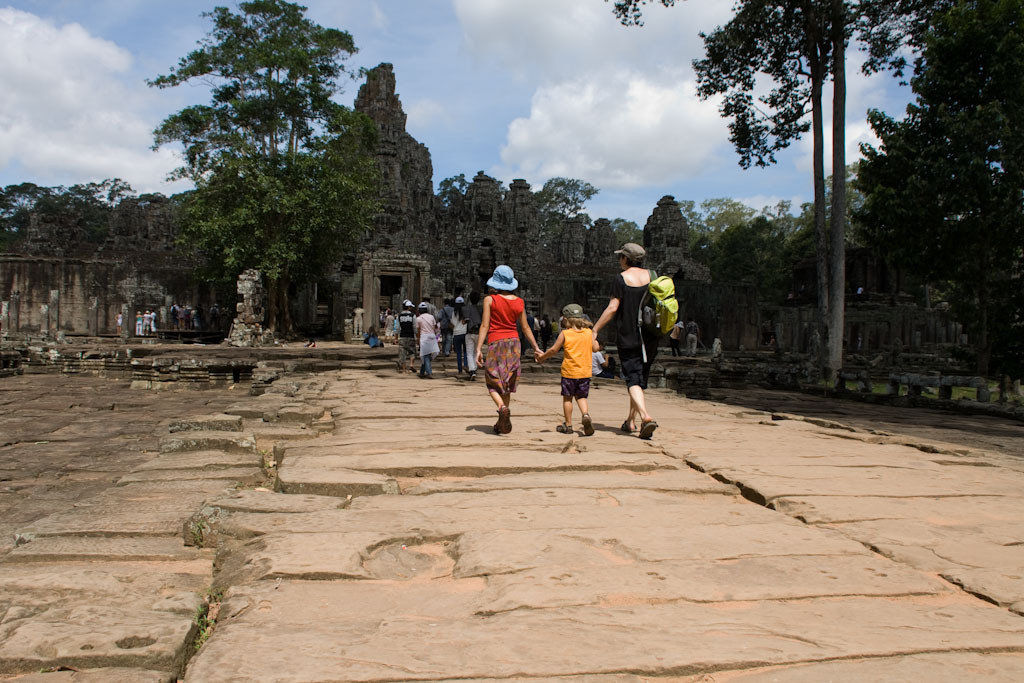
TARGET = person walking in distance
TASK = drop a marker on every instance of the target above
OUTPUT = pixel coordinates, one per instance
(545, 332)
(673, 337)
(637, 347)
(692, 336)
(472, 312)
(577, 338)
(406, 337)
(446, 322)
(460, 327)
(426, 335)
(503, 311)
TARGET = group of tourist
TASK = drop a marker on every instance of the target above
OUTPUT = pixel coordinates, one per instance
(494, 338)
(180, 318)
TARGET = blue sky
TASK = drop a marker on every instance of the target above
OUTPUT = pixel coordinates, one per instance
(530, 89)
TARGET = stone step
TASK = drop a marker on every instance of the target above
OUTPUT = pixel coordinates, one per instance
(112, 517)
(299, 413)
(470, 462)
(257, 406)
(242, 475)
(123, 548)
(267, 435)
(677, 481)
(309, 475)
(250, 500)
(200, 460)
(219, 422)
(231, 442)
(106, 675)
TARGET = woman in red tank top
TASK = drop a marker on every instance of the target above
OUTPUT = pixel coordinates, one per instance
(503, 311)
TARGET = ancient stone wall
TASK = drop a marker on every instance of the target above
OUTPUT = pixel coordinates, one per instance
(486, 227)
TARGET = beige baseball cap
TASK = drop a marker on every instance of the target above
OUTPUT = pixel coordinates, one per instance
(632, 251)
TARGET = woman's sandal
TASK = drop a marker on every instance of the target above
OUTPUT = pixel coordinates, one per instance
(504, 420)
(647, 429)
(564, 429)
(588, 426)
(627, 427)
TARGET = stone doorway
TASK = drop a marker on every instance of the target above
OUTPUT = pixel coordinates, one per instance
(387, 279)
(392, 290)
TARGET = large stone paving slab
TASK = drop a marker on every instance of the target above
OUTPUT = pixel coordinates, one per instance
(92, 637)
(158, 586)
(991, 667)
(743, 579)
(352, 637)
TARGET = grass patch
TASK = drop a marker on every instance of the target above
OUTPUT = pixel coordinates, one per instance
(206, 618)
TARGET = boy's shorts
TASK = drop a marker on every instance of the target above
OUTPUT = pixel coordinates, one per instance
(406, 349)
(576, 388)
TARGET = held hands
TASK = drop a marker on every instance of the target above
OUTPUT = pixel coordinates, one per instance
(538, 356)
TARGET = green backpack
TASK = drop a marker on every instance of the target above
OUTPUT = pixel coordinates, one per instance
(659, 309)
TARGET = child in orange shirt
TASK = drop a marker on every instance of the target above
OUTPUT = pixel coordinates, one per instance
(577, 337)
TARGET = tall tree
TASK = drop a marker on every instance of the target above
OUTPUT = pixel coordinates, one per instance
(452, 190)
(564, 197)
(798, 46)
(284, 177)
(559, 199)
(944, 191)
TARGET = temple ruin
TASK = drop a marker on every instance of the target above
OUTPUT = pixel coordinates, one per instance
(59, 284)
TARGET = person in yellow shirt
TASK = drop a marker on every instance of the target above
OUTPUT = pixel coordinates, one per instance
(578, 340)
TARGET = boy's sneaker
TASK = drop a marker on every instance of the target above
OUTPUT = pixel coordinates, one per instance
(588, 426)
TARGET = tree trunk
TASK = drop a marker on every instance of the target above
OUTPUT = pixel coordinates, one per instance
(837, 233)
(286, 326)
(272, 305)
(817, 77)
(982, 345)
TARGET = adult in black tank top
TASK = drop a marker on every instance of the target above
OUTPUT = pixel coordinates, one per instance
(623, 310)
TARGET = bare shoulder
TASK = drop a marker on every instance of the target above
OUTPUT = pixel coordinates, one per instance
(636, 277)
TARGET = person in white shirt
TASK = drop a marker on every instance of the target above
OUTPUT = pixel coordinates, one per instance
(601, 366)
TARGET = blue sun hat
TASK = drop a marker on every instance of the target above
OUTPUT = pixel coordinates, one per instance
(503, 279)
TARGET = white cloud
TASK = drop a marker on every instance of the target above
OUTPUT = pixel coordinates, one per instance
(567, 38)
(617, 130)
(862, 92)
(379, 20)
(70, 110)
(426, 113)
(760, 202)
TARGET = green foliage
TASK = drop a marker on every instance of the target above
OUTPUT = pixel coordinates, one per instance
(944, 191)
(274, 73)
(86, 206)
(753, 252)
(564, 197)
(560, 199)
(284, 176)
(452, 190)
(627, 231)
(290, 216)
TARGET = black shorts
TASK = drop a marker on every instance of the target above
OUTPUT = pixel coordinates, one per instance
(634, 370)
(576, 388)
